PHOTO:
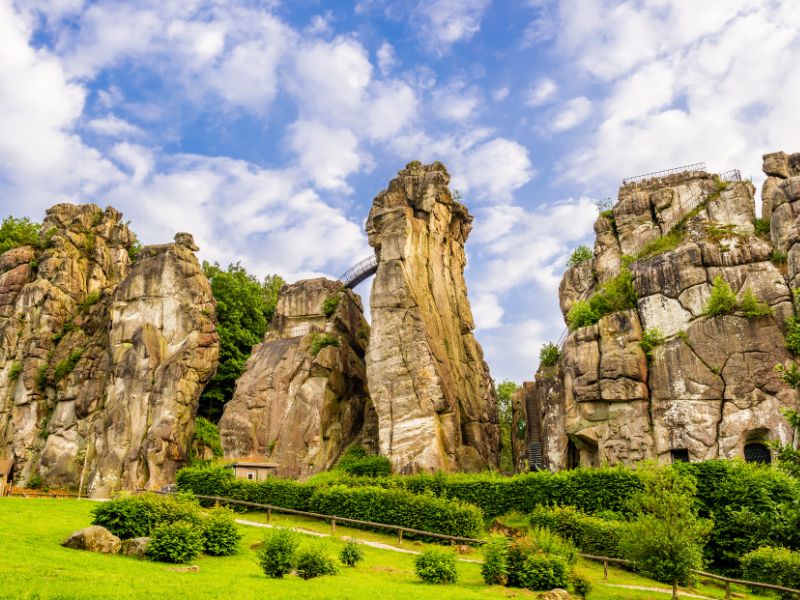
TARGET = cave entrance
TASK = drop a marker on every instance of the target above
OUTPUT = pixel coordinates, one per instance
(756, 452)
(680, 455)
(573, 455)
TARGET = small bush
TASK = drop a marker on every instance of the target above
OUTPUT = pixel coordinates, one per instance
(779, 566)
(277, 553)
(761, 228)
(494, 569)
(549, 542)
(15, 371)
(35, 482)
(91, 299)
(206, 433)
(720, 185)
(321, 340)
(18, 232)
(220, 535)
(138, 516)
(580, 255)
(175, 542)
(614, 295)
(549, 354)
(357, 461)
(41, 378)
(330, 305)
(581, 314)
(650, 339)
(312, 561)
(793, 335)
(351, 554)
(752, 308)
(591, 534)
(435, 565)
(529, 568)
(778, 258)
(581, 586)
(722, 300)
(66, 366)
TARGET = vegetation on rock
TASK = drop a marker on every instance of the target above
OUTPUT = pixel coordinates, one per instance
(18, 232)
(323, 340)
(580, 255)
(357, 461)
(549, 354)
(614, 295)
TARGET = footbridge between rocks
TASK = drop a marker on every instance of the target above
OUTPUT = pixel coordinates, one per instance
(359, 272)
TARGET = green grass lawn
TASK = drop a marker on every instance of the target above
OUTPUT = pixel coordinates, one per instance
(34, 565)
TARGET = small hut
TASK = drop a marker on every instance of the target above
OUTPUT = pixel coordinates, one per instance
(6, 466)
(254, 468)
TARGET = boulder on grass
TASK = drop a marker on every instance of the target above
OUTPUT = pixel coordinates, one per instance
(94, 539)
(135, 547)
(556, 594)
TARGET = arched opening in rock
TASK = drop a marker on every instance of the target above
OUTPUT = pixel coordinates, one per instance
(756, 452)
(582, 452)
(573, 455)
(680, 455)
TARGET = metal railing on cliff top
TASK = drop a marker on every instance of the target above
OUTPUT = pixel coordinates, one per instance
(693, 168)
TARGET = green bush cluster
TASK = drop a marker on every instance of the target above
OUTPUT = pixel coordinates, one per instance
(614, 295)
(650, 339)
(313, 561)
(591, 534)
(761, 228)
(351, 554)
(178, 542)
(220, 535)
(494, 569)
(323, 340)
(723, 302)
(15, 371)
(549, 354)
(399, 507)
(779, 566)
(330, 305)
(66, 366)
(18, 232)
(581, 586)
(436, 565)
(91, 299)
(580, 255)
(357, 461)
(531, 568)
(206, 434)
(276, 556)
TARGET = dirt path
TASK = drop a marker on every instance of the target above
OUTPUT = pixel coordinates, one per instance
(654, 589)
(371, 544)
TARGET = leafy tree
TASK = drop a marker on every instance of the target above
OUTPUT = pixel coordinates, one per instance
(18, 232)
(245, 307)
(505, 391)
(722, 300)
(665, 542)
(549, 354)
(580, 255)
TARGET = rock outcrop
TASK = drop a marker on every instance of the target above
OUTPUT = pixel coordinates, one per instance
(434, 399)
(708, 387)
(102, 359)
(302, 398)
(94, 539)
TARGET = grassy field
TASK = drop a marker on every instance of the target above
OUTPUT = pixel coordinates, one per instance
(34, 566)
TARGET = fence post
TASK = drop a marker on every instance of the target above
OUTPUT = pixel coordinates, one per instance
(605, 570)
(333, 526)
(399, 536)
(269, 514)
(727, 590)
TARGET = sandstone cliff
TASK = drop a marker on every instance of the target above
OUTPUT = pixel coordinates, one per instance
(102, 360)
(708, 387)
(302, 398)
(434, 399)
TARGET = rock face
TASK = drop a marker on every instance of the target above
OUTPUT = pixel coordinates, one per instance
(94, 539)
(102, 360)
(431, 388)
(709, 388)
(302, 398)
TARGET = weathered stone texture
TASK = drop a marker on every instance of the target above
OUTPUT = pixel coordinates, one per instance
(298, 409)
(431, 388)
(711, 386)
(103, 361)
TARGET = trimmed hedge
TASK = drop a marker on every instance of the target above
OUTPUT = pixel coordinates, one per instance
(399, 507)
(138, 516)
(591, 534)
(779, 566)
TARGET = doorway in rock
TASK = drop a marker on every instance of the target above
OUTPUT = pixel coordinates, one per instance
(573, 455)
(756, 452)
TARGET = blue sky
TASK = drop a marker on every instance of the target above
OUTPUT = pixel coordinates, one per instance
(266, 128)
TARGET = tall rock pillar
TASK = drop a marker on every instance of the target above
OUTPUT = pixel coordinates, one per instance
(431, 388)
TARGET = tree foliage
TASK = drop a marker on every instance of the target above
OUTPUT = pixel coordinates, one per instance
(505, 392)
(245, 307)
(18, 232)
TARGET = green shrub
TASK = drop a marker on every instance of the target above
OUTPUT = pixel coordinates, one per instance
(581, 586)
(793, 335)
(277, 553)
(435, 565)
(399, 507)
(720, 184)
(591, 534)
(581, 314)
(761, 228)
(137, 516)
(35, 482)
(313, 561)
(551, 543)
(529, 568)
(580, 255)
(206, 433)
(722, 300)
(134, 250)
(351, 554)
(494, 569)
(41, 378)
(66, 366)
(177, 542)
(650, 339)
(91, 299)
(220, 535)
(660, 245)
(322, 340)
(752, 308)
(779, 566)
(15, 371)
(778, 258)
(18, 232)
(549, 354)
(614, 295)
(330, 305)
(357, 461)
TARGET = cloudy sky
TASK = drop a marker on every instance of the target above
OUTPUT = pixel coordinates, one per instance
(265, 128)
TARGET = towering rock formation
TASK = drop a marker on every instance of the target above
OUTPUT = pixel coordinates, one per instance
(102, 360)
(709, 388)
(431, 388)
(302, 398)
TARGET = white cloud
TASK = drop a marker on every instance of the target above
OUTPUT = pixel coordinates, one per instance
(513, 349)
(541, 93)
(442, 23)
(571, 114)
(487, 311)
(113, 126)
(456, 101)
(387, 58)
(501, 94)
(327, 154)
(497, 168)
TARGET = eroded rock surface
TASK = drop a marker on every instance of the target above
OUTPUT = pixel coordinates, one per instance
(94, 539)
(431, 388)
(103, 359)
(710, 387)
(300, 403)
